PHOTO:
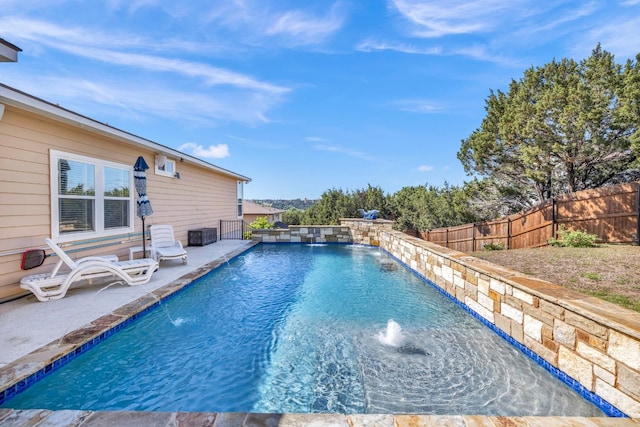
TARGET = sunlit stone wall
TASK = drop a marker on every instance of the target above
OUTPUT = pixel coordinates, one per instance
(594, 342)
(304, 234)
(367, 232)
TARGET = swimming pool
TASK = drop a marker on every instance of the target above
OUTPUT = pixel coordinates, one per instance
(300, 328)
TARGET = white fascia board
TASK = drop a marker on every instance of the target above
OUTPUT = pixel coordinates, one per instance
(8, 52)
(27, 102)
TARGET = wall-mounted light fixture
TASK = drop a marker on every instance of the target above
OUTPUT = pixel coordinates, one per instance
(177, 175)
(181, 160)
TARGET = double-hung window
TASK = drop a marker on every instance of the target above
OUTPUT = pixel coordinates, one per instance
(89, 197)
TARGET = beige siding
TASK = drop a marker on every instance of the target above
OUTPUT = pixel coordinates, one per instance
(199, 199)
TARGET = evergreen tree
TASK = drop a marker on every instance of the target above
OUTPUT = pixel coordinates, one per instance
(561, 128)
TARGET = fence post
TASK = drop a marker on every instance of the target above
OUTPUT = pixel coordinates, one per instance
(638, 215)
(473, 238)
(446, 238)
(553, 218)
(508, 233)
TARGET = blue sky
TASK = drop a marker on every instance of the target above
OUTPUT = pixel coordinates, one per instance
(302, 96)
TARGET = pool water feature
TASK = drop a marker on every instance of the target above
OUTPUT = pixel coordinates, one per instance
(298, 328)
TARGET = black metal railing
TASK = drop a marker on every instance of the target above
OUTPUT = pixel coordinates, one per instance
(234, 229)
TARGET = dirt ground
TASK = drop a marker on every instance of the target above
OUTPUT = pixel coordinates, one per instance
(611, 272)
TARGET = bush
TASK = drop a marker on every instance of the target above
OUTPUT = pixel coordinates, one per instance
(573, 239)
(493, 247)
(260, 223)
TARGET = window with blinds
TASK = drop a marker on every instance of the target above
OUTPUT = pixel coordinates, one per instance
(92, 197)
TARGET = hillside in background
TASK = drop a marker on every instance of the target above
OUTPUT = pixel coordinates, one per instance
(301, 204)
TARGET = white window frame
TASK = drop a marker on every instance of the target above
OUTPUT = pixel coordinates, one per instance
(162, 169)
(98, 216)
(239, 197)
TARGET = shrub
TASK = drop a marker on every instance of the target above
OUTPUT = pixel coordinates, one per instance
(493, 246)
(573, 239)
(260, 223)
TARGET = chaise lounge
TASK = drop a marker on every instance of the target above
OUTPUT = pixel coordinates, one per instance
(164, 245)
(53, 286)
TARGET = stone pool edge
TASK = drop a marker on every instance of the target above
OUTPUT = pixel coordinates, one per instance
(228, 419)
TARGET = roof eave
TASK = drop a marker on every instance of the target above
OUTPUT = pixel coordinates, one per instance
(8, 51)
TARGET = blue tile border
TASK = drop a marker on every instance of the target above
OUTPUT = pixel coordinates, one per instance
(575, 385)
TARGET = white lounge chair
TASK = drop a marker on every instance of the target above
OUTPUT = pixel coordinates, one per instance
(53, 286)
(164, 245)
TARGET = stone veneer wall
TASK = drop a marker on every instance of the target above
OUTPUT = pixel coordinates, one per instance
(594, 342)
(304, 234)
(367, 232)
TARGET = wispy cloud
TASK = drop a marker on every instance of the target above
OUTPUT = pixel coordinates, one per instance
(300, 28)
(132, 5)
(219, 151)
(620, 38)
(557, 20)
(498, 31)
(418, 106)
(214, 94)
(425, 168)
(346, 151)
(373, 45)
(76, 42)
(134, 100)
(314, 139)
(476, 51)
(439, 18)
(212, 76)
(262, 23)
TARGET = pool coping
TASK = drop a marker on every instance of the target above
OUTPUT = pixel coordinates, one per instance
(242, 419)
(22, 373)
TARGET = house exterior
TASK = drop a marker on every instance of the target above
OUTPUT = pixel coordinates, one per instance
(70, 178)
(253, 211)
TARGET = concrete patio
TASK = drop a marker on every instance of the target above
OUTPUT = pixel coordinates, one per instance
(33, 334)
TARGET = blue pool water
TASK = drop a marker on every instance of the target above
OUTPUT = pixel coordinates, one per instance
(306, 328)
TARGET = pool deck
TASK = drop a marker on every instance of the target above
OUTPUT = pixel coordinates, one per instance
(33, 334)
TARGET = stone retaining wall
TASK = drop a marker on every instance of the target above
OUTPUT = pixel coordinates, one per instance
(367, 232)
(304, 234)
(594, 342)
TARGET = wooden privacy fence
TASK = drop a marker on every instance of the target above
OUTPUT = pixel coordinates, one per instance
(611, 213)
